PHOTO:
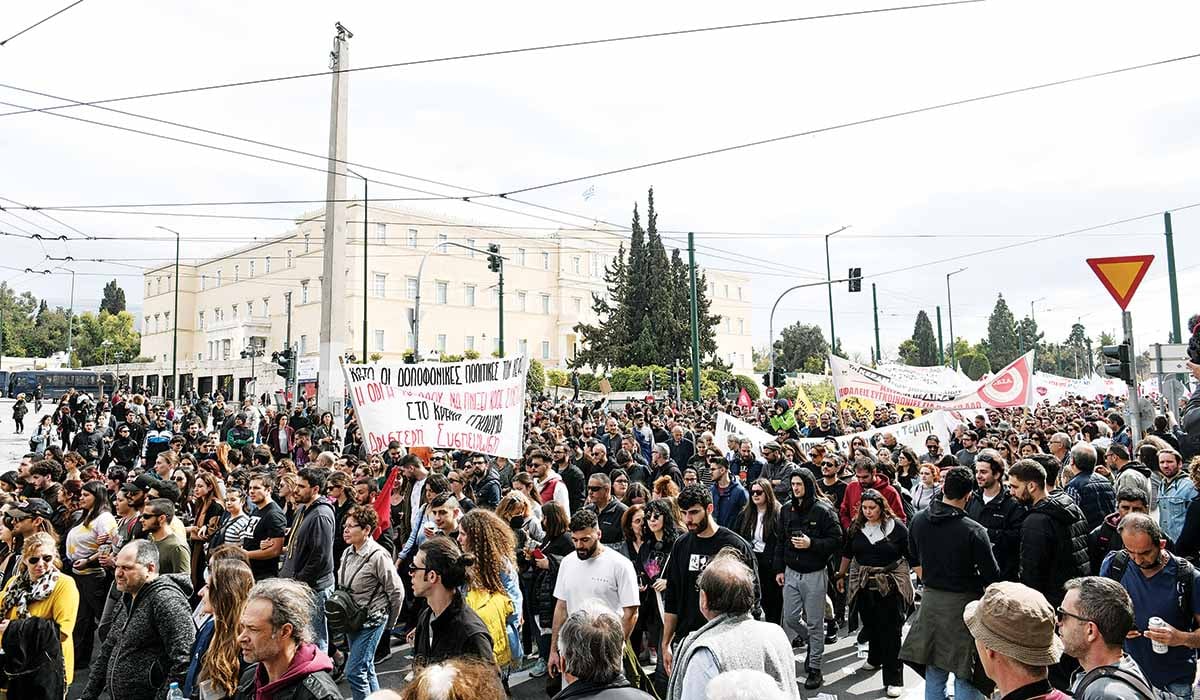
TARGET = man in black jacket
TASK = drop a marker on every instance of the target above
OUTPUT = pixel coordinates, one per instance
(998, 511)
(809, 536)
(448, 628)
(308, 556)
(1054, 535)
(89, 442)
(485, 481)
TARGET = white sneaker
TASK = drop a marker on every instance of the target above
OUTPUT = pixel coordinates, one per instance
(868, 667)
(894, 691)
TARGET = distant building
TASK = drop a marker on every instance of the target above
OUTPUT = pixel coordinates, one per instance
(237, 300)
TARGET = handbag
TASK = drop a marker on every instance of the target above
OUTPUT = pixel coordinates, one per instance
(342, 613)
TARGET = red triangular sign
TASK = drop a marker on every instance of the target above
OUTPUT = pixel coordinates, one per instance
(1121, 275)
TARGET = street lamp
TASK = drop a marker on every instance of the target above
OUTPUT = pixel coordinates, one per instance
(950, 314)
(175, 331)
(70, 318)
(829, 282)
(771, 324)
(250, 352)
(416, 324)
(366, 239)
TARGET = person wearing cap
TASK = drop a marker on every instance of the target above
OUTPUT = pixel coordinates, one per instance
(1013, 626)
(776, 468)
(1093, 622)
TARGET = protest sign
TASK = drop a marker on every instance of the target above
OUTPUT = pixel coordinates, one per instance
(911, 433)
(728, 425)
(1011, 386)
(475, 405)
(1054, 388)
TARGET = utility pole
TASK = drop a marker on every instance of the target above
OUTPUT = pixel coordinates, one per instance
(287, 343)
(875, 309)
(829, 281)
(1033, 340)
(1176, 334)
(695, 314)
(500, 289)
(1135, 419)
(950, 315)
(333, 280)
(71, 325)
(366, 239)
(175, 329)
(941, 345)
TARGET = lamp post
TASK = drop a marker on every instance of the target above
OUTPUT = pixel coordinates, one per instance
(771, 324)
(70, 319)
(829, 282)
(1033, 318)
(175, 330)
(950, 315)
(416, 324)
(366, 238)
(251, 351)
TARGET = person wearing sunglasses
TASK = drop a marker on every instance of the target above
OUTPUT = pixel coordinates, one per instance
(40, 589)
(485, 481)
(173, 554)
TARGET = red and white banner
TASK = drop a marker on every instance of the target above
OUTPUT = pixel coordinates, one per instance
(1011, 386)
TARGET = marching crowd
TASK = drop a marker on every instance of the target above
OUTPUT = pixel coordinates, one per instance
(206, 549)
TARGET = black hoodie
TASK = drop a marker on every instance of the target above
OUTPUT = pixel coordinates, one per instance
(1054, 545)
(810, 516)
(953, 551)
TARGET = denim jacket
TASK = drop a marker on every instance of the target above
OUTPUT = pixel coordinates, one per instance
(1173, 499)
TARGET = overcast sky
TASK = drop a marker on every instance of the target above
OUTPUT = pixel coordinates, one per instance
(913, 190)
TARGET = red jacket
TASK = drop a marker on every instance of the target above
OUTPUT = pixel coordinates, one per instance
(853, 498)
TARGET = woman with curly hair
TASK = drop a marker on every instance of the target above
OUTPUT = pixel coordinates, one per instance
(492, 588)
(665, 487)
(216, 667)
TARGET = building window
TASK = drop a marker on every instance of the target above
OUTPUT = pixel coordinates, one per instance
(158, 285)
(218, 278)
(267, 307)
(521, 301)
(577, 304)
(741, 325)
(307, 242)
(237, 273)
(304, 292)
(595, 265)
(726, 291)
(545, 261)
(546, 304)
(728, 325)
(441, 343)
(201, 322)
(412, 238)
(226, 347)
(381, 233)
(251, 268)
(469, 343)
(378, 341)
(303, 344)
(521, 257)
(739, 293)
(469, 295)
(203, 282)
(523, 346)
(267, 265)
(249, 309)
(148, 287)
(443, 238)
(235, 312)
(441, 290)
(575, 263)
(291, 262)
(545, 349)
(168, 283)
(471, 243)
(410, 287)
(380, 282)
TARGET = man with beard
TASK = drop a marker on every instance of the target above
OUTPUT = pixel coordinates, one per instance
(689, 556)
(664, 465)
(1053, 536)
(997, 510)
(745, 461)
(1093, 621)
(596, 572)
(572, 477)
(549, 484)
(933, 450)
(1174, 494)
(1105, 537)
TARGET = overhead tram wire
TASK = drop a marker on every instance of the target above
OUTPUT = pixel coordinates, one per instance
(40, 22)
(509, 52)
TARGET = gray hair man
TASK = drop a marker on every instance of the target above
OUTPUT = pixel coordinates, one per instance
(1093, 621)
(151, 640)
(591, 644)
(275, 635)
(731, 639)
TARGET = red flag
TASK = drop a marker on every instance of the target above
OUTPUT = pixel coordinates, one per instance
(383, 503)
(744, 399)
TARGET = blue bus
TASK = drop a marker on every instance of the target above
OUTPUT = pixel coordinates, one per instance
(56, 383)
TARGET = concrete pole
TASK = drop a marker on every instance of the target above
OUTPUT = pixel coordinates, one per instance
(695, 314)
(875, 310)
(950, 316)
(1176, 333)
(333, 280)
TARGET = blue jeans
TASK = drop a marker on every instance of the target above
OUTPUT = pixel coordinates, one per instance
(1180, 690)
(360, 664)
(935, 686)
(320, 631)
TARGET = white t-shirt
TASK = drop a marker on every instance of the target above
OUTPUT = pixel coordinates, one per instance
(608, 577)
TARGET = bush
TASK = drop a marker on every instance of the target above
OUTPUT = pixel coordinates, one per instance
(450, 358)
(820, 393)
(747, 383)
(975, 365)
(788, 392)
(375, 357)
(557, 377)
(535, 381)
(471, 354)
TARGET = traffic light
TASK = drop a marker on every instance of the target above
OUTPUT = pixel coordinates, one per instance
(855, 279)
(283, 358)
(780, 378)
(1121, 365)
(494, 257)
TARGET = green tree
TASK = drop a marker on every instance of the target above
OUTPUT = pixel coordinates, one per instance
(114, 298)
(797, 343)
(974, 365)
(925, 341)
(1078, 341)
(92, 331)
(535, 380)
(1002, 334)
(1028, 336)
(909, 354)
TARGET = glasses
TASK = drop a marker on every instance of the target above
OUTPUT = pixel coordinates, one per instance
(45, 558)
(756, 492)
(594, 489)
(1060, 614)
(148, 516)
(415, 569)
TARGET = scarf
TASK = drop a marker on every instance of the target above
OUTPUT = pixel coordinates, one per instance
(23, 591)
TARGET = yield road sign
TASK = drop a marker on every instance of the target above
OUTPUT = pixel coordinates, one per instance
(1121, 275)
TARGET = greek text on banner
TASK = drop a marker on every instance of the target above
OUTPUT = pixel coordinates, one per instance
(475, 405)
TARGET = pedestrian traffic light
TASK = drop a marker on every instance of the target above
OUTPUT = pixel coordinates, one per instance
(1117, 362)
(494, 257)
(855, 279)
(283, 358)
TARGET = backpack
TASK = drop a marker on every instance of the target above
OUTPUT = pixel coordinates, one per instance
(1132, 680)
(1184, 574)
(342, 613)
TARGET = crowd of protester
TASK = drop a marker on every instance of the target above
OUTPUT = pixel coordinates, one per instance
(252, 551)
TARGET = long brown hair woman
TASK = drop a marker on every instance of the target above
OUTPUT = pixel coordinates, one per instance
(216, 666)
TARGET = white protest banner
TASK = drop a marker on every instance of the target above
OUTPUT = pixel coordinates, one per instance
(1054, 388)
(475, 405)
(938, 377)
(1011, 386)
(728, 425)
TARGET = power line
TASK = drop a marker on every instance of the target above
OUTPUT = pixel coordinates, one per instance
(40, 22)
(507, 52)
